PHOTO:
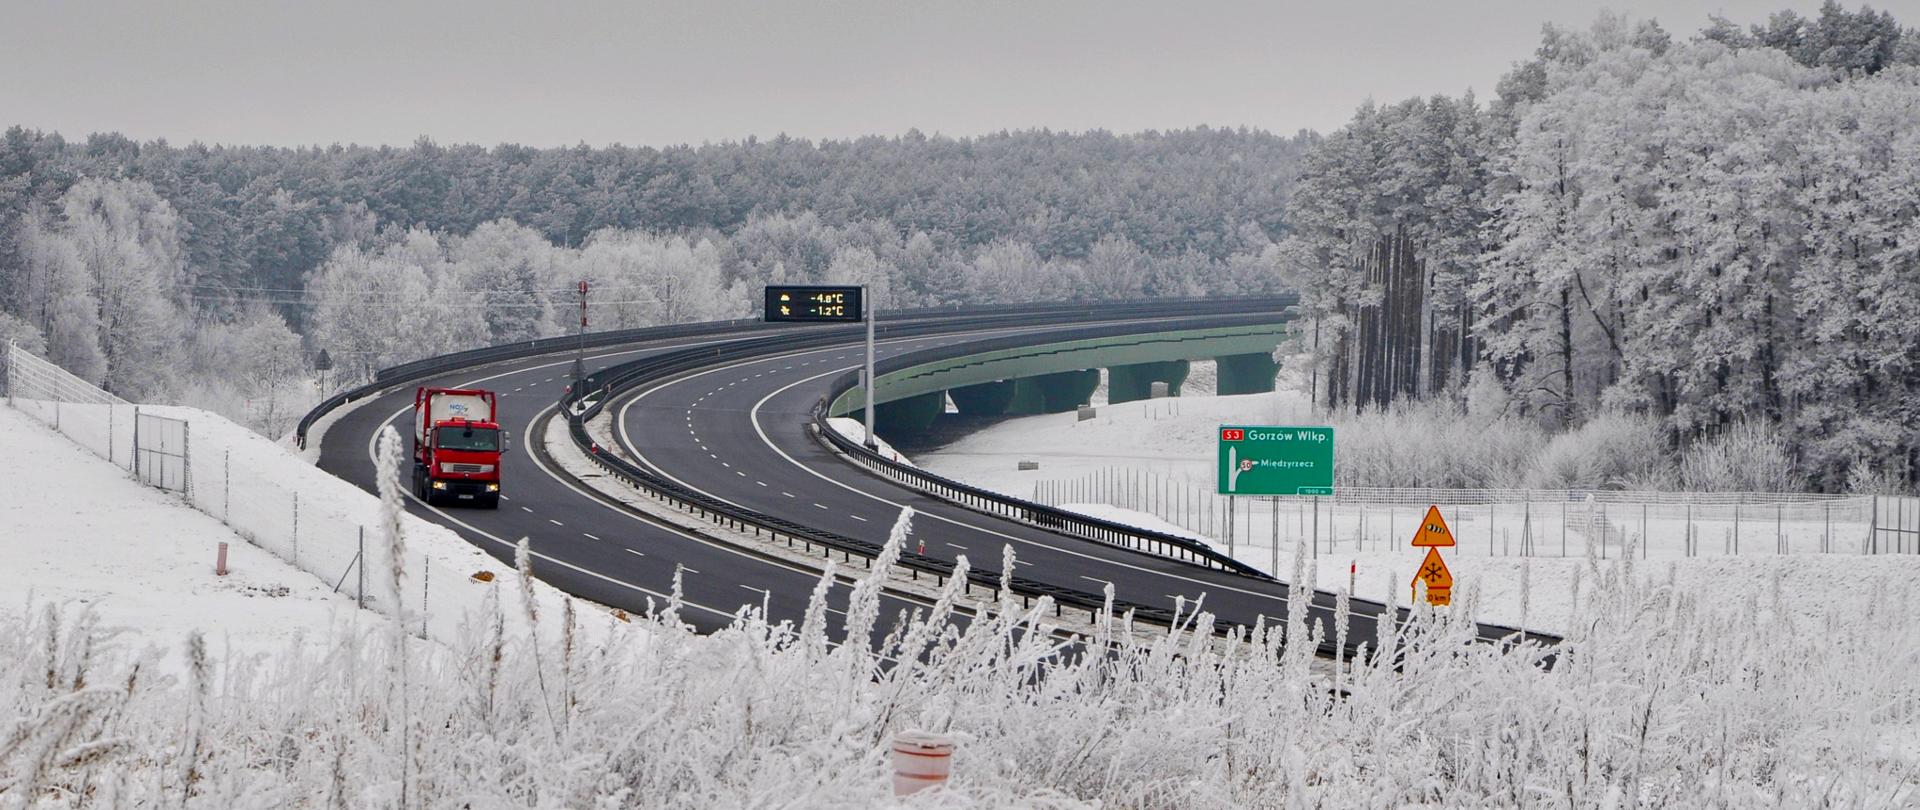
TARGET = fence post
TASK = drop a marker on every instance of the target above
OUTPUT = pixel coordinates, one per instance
(360, 563)
(1275, 502)
(186, 459)
(226, 485)
(426, 578)
(296, 530)
(136, 443)
(1689, 535)
(1873, 526)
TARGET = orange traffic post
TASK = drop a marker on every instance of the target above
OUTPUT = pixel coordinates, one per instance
(920, 760)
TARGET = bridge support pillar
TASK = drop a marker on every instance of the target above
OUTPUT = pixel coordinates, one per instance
(1246, 374)
(1054, 393)
(1133, 382)
(985, 399)
(911, 415)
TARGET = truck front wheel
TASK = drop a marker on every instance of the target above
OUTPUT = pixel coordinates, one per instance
(490, 501)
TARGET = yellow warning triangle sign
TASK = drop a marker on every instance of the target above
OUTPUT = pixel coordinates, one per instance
(1434, 571)
(1433, 531)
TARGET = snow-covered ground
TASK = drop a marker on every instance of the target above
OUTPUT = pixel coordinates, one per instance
(79, 532)
(1166, 447)
(1670, 699)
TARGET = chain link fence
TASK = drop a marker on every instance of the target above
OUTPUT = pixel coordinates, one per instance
(1514, 522)
(230, 473)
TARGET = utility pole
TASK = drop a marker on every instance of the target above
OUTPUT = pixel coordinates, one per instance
(580, 356)
(866, 300)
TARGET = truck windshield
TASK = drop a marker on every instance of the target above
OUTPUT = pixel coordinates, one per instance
(467, 438)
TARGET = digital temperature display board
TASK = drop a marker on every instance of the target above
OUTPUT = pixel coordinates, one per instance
(814, 304)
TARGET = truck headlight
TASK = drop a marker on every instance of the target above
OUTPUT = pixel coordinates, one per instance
(439, 485)
(493, 487)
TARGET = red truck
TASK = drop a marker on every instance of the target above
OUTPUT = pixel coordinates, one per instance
(456, 446)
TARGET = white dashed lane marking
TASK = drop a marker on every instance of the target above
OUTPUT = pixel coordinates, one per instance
(588, 536)
(635, 553)
(524, 509)
(820, 505)
(859, 518)
(555, 522)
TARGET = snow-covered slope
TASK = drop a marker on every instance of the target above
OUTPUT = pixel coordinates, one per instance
(80, 532)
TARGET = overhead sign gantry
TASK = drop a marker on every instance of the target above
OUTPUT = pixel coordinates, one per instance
(828, 304)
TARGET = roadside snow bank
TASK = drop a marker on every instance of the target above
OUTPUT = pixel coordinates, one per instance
(1173, 436)
(1130, 517)
(329, 528)
(853, 429)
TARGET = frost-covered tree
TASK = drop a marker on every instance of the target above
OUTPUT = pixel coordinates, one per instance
(641, 279)
(509, 268)
(50, 290)
(859, 265)
(1007, 271)
(373, 310)
(102, 281)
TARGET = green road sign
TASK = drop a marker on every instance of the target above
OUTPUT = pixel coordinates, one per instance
(1267, 460)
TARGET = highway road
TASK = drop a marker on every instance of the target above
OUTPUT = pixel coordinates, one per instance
(736, 429)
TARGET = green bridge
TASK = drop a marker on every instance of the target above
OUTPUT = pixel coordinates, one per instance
(1060, 377)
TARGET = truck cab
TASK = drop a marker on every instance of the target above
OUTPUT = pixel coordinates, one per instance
(457, 447)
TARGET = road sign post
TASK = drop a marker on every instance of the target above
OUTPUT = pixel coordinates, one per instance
(872, 444)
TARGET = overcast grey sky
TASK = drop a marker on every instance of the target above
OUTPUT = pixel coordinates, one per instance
(643, 72)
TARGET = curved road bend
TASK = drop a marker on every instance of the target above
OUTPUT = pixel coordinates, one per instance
(738, 431)
(582, 544)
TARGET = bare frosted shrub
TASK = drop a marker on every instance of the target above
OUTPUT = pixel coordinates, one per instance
(1610, 451)
(1660, 699)
(1748, 456)
(1432, 443)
